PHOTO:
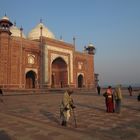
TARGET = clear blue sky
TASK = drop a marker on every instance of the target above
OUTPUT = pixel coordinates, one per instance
(113, 26)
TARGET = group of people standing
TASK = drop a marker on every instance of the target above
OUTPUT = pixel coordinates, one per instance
(111, 96)
(67, 105)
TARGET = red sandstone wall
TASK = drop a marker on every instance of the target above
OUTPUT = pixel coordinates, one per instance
(13, 60)
(4, 60)
(87, 69)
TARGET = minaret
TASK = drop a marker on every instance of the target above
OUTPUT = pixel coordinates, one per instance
(41, 57)
(20, 67)
(90, 49)
(5, 33)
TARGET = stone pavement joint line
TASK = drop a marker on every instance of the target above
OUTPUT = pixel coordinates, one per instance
(37, 117)
(44, 126)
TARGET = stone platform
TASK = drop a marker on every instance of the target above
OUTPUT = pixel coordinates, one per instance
(36, 117)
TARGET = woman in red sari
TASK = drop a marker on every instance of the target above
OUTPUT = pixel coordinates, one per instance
(109, 100)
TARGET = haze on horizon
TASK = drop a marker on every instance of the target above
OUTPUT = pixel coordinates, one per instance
(113, 26)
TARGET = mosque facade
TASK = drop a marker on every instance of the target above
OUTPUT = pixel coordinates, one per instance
(39, 60)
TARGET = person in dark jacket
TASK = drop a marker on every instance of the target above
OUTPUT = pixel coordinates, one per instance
(98, 89)
(130, 90)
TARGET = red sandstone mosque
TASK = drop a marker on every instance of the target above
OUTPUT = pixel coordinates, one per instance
(39, 60)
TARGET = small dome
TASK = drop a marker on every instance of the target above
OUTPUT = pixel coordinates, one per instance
(35, 32)
(6, 18)
(91, 49)
(16, 31)
(5, 21)
(90, 45)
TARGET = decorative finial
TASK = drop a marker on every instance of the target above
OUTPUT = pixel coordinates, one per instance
(74, 40)
(21, 29)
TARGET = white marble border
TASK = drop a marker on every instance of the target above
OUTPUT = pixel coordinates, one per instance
(63, 51)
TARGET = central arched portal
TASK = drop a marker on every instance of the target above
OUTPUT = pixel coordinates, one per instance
(30, 79)
(59, 77)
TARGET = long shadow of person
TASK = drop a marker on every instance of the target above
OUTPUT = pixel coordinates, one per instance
(4, 135)
(131, 107)
(90, 106)
(50, 116)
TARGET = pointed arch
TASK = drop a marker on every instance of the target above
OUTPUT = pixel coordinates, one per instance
(59, 76)
(80, 80)
(30, 79)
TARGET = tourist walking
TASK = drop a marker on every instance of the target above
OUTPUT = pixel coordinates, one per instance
(98, 89)
(118, 98)
(66, 107)
(109, 100)
(130, 90)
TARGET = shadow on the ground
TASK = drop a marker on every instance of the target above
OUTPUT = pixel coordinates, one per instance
(133, 97)
(4, 135)
(131, 107)
(49, 115)
(90, 106)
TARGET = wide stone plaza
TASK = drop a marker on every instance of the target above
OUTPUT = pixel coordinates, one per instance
(36, 117)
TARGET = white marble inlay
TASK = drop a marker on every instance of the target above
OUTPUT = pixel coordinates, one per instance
(62, 50)
(31, 69)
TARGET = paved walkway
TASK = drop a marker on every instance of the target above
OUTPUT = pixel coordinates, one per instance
(36, 117)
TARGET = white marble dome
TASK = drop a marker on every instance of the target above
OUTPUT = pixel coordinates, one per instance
(6, 18)
(90, 45)
(16, 31)
(35, 32)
